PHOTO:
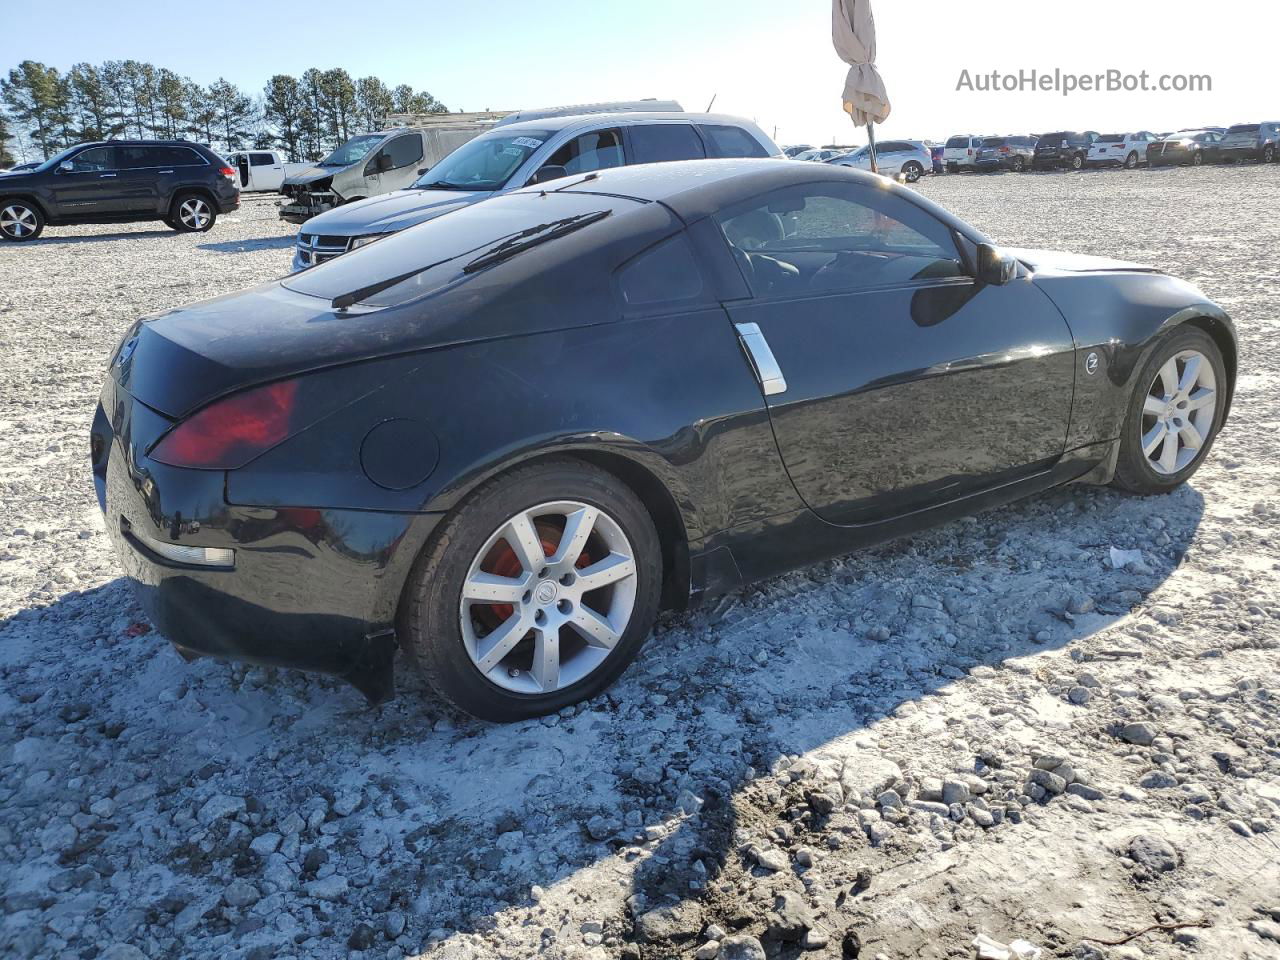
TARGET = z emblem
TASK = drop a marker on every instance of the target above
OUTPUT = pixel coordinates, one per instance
(1091, 364)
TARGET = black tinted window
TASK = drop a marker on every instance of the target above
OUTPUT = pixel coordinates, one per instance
(665, 274)
(96, 158)
(404, 151)
(654, 143)
(826, 237)
(261, 159)
(725, 141)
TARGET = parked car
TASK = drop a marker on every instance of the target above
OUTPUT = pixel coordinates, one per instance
(1062, 149)
(263, 170)
(182, 184)
(22, 167)
(1005, 153)
(820, 155)
(535, 151)
(1193, 147)
(1120, 149)
(908, 159)
(961, 152)
(364, 458)
(936, 150)
(1251, 141)
(793, 151)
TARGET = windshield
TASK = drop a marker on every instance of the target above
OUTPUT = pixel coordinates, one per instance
(1111, 138)
(1244, 128)
(57, 158)
(485, 163)
(353, 151)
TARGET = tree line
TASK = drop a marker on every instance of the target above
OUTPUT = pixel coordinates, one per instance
(43, 110)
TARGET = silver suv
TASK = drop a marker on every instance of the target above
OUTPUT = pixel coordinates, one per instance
(515, 155)
(1251, 141)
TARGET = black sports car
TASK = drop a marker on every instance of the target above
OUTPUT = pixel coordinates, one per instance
(503, 440)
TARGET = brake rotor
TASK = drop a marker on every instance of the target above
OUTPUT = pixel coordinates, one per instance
(503, 562)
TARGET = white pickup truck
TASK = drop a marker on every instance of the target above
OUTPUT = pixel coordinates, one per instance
(263, 170)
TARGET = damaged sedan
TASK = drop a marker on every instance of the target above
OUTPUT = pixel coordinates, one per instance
(499, 443)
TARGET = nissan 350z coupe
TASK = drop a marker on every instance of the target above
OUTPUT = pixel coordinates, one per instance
(502, 441)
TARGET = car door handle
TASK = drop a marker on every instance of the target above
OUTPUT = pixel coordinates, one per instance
(103, 176)
(772, 382)
(166, 171)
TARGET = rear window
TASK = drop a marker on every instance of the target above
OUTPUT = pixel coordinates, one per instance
(958, 142)
(662, 276)
(725, 141)
(1053, 139)
(996, 142)
(656, 142)
(440, 248)
(1111, 138)
(1244, 128)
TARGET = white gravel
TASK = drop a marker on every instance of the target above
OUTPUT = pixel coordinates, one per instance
(983, 730)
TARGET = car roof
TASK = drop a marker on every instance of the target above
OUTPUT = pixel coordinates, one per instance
(621, 118)
(694, 189)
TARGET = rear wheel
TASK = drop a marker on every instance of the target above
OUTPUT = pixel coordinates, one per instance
(536, 593)
(912, 171)
(1131, 161)
(1019, 164)
(1077, 162)
(1174, 414)
(192, 213)
(1197, 159)
(1269, 153)
(20, 221)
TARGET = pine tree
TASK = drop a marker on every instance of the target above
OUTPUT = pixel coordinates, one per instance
(234, 112)
(283, 107)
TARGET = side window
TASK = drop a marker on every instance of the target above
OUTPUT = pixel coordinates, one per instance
(664, 275)
(136, 157)
(404, 151)
(590, 151)
(262, 159)
(725, 141)
(657, 142)
(827, 237)
(96, 158)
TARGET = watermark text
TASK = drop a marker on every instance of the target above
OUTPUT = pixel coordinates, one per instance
(1066, 83)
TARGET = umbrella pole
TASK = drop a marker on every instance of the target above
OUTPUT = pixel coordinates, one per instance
(871, 141)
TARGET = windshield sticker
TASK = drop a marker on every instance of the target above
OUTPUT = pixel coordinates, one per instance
(529, 142)
(512, 152)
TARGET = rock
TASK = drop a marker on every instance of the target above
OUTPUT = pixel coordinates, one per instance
(219, 806)
(868, 775)
(265, 844)
(1079, 696)
(679, 922)
(771, 858)
(981, 817)
(715, 932)
(362, 937)
(1084, 792)
(1050, 782)
(791, 918)
(742, 948)
(372, 843)
(931, 789)
(889, 798)
(955, 791)
(332, 887)
(1158, 780)
(393, 924)
(122, 951)
(315, 858)
(815, 940)
(240, 893)
(1080, 603)
(1266, 929)
(601, 828)
(1139, 734)
(1152, 855)
(708, 951)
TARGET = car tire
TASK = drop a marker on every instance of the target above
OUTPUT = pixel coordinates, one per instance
(192, 213)
(912, 171)
(20, 221)
(1019, 164)
(1269, 153)
(1077, 162)
(444, 631)
(1145, 465)
(1131, 161)
(1197, 158)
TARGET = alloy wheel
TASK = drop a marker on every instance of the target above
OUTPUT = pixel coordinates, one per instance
(18, 221)
(1178, 412)
(194, 213)
(548, 597)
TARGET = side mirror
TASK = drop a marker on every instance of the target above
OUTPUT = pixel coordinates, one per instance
(995, 267)
(66, 166)
(549, 172)
(383, 162)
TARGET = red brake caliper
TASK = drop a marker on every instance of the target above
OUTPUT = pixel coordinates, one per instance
(503, 562)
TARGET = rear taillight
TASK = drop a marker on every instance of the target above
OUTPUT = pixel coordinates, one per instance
(229, 433)
(969, 151)
(227, 172)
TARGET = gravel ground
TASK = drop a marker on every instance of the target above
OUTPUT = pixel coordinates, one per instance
(989, 729)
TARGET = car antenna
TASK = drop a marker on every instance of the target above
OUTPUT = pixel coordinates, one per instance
(712, 103)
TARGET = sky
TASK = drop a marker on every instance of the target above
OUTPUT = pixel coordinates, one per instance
(769, 60)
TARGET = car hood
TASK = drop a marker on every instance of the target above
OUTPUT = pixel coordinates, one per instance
(1063, 262)
(310, 175)
(12, 177)
(391, 212)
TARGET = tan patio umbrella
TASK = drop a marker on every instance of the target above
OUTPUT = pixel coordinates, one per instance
(853, 31)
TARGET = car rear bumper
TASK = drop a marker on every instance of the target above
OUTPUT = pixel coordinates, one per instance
(303, 588)
(1251, 152)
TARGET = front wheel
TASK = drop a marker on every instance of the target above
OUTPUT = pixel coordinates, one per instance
(1197, 159)
(535, 594)
(1174, 414)
(20, 221)
(1269, 153)
(1077, 162)
(1131, 161)
(912, 171)
(192, 213)
(1019, 165)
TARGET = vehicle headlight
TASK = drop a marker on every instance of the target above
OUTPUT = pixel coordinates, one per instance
(359, 242)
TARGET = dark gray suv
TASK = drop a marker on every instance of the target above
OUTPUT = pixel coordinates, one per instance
(119, 181)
